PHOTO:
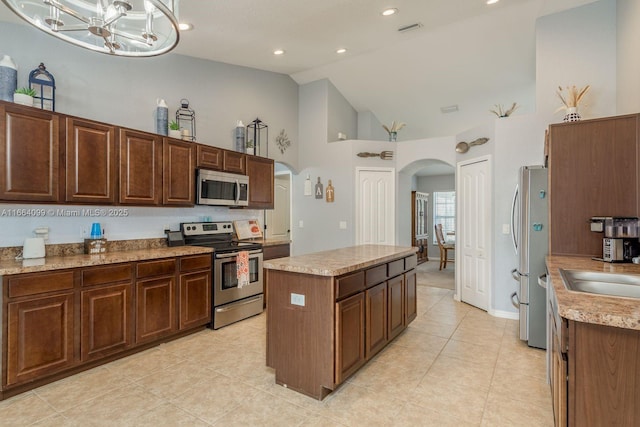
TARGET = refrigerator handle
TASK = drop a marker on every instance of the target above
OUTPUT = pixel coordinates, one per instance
(542, 280)
(515, 274)
(514, 300)
(513, 219)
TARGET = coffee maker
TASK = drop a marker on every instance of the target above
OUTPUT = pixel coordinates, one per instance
(620, 242)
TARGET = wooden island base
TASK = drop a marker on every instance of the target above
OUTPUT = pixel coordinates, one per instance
(329, 313)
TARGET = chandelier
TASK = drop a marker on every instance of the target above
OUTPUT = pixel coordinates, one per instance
(116, 27)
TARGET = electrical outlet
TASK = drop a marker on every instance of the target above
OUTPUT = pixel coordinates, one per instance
(506, 229)
(343, 225)
(301, 224)
(83, 232)
(297, 299)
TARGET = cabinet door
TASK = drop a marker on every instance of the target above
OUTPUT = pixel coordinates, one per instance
(29, 154)
(234, 162)
(90, 162)
(376, 319)
(209, 157)
(106, 320)
(592, 168)
(395, 306)
(178, 173)
(195, 299)
(411, 301)
(260, 172)
(350, 320)
(140, 168)
(155, 308)
(40, 337)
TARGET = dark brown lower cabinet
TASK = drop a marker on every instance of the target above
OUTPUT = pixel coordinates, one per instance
(40, 337)
(376, 319)
(155, 308)
(411, 301)
(106, 320)
(195, 299)
(395, 308)
(350, 319)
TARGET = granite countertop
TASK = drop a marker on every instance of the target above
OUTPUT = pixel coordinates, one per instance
(592, 308)
(339, 261)
(73, 261)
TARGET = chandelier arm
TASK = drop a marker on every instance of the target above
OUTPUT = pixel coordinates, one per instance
(109, 45)
(66, 10)
(129, 36)
(76, 28)
(114, 19)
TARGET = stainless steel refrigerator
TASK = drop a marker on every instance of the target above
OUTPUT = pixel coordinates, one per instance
(530, 233)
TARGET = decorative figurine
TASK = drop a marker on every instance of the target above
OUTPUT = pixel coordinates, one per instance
(329, 193)
(319, 189)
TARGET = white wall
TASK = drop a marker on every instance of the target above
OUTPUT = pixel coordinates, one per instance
(578, 47)
(628, 60)
(341, 115)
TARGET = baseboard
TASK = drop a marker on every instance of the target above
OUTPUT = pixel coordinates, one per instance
(505, 314)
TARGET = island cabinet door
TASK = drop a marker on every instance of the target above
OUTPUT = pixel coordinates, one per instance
(395, 300)
(376, 319)
(350, 323)
(411, 302)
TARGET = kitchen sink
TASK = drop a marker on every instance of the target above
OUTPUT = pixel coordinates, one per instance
(595, 282)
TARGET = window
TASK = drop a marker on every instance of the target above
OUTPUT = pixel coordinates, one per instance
(444, 212)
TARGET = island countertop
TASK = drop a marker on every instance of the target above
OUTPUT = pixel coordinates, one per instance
(337, 262)
(592, 308)
(73, 261)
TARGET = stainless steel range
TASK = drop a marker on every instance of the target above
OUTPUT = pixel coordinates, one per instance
(231, 303)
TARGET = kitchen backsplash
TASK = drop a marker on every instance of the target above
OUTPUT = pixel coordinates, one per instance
(72, 224)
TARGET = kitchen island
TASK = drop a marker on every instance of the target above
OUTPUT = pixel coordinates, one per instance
(329, 312)
(593, 349)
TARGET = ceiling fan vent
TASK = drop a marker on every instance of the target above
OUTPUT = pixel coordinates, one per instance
(410, 27)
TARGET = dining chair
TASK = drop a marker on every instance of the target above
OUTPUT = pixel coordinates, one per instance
(444, 247)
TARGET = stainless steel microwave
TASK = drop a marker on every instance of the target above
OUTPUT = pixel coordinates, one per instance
(221, 189)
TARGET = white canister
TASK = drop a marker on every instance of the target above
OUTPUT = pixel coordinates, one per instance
(8, 78)
(162, 118)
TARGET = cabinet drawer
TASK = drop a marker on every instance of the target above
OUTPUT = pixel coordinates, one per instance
(22, 285)
(195, 262)
(349, 285)
(156, 268)
(110, 274)
(376, 275)
(410, 262)
(395, 267)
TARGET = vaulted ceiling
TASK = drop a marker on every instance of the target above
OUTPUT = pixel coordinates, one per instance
(464, 52)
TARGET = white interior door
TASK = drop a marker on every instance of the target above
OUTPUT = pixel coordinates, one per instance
(375, 206)
(473, 245)
(278, 220)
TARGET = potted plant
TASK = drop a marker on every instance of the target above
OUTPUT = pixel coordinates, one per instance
(250, 147)
(24, 96)
(393, 130)
(174, 129)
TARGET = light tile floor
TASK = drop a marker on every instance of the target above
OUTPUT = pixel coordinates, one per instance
(454, 366)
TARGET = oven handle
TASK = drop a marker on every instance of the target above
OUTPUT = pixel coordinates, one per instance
(235, 305)
(235, 254)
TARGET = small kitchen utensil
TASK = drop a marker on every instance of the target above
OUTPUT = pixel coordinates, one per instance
(384, 155)
(463, 147)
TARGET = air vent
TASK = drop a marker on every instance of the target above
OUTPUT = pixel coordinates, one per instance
(410, 27)
(449, 109)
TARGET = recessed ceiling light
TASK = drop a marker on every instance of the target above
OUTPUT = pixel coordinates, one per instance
(390, 11)
(492, 1)
(341, 50)
(185, 26)
(278, 52)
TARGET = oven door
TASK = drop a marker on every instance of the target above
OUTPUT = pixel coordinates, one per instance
(226, 282)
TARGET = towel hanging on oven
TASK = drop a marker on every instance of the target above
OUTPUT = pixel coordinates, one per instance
(242, 268)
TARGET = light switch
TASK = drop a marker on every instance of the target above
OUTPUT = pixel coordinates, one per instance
(297, 299)
(506, 229)
(343, 225)
(301, 224)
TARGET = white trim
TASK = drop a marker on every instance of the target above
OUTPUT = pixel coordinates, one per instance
(489, 244)
(504, 314)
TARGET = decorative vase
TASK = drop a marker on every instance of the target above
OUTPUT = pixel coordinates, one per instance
(162, 117)
(572, 115)
(22, 99)
(393, 136)
(8, 78)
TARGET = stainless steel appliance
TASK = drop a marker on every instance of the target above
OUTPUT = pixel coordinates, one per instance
(529, 228)
(620, 242)
(231, 303)
(221, 189)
